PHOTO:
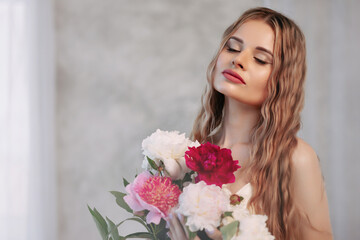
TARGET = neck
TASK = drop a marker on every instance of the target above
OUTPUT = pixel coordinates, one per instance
(239, 120)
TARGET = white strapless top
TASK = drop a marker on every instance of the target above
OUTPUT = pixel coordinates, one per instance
(245, 192)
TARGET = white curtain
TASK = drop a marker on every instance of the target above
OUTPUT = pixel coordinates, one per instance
(27, 162)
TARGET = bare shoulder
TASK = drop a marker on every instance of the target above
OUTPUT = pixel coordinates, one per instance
(304, 155)
(309, 190)
(307, 176)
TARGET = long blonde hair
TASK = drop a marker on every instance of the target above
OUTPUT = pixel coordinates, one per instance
(273, 138)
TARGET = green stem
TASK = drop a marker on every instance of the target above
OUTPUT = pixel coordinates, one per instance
(153, 231)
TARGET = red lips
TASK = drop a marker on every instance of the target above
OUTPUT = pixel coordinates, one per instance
(233, 76)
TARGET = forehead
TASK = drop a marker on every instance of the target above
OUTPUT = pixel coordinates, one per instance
(256, 33)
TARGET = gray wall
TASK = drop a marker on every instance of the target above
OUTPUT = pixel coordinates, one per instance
(126, 68)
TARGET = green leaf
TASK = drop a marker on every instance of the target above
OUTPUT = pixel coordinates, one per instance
(152, 163)
(120, 200)
(228, 214)
(162, 234)
(139, 220)
(162, 168)
(115, 234)
(113, 231)
(125, 182)
(161, 230)
(192, 235)
(179, 183)
(140, 235)
(100, 223)
(187, 177)
(228, 231)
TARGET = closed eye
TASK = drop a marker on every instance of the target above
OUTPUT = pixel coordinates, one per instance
(232, 49)
(260, 61)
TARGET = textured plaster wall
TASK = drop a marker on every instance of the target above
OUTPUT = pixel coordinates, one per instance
(126, 68)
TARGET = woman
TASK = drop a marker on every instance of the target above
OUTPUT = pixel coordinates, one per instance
(252, 105)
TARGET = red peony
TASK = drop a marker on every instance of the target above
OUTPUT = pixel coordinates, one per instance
(213, 164)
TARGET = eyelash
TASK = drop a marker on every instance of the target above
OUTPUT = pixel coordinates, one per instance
(232, 50)
(260, 61)
(256, 59)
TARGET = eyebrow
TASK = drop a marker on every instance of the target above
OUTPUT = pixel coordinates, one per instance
(258, 47)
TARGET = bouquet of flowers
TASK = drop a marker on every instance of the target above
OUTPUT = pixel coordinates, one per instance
(184, 177)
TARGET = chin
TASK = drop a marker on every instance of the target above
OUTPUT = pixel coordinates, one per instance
(222, 87)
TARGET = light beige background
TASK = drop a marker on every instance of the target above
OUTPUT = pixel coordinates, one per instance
(126, 68)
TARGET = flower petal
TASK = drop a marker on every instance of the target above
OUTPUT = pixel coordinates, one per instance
(153, 217)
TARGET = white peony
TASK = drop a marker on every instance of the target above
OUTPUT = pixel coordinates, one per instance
(253, 227)
(170, 148)
(203, 206)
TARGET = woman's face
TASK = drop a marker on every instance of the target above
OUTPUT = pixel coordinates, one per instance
(244, 65)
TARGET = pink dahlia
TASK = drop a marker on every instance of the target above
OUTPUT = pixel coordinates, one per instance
(154, 193)
(213, 164)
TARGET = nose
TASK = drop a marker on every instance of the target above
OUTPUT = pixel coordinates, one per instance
(240, 60)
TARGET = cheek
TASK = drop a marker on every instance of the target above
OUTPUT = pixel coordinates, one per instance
(216, 82)
(262, 85)
(263, 78)
(220, 59)
(223, 60)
